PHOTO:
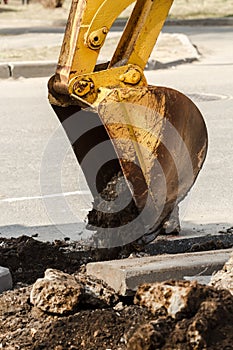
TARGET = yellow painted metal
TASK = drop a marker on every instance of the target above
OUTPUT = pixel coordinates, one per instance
(61, 79)
(105, 80)
(87, 28)
(141, 32)
(96, 39)
(135, 131)
(98, 15)
(76, 56)
(107, 13)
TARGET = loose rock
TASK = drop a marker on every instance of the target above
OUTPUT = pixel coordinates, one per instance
(171, 298)
(223, 279)
(95, 292)
(57, 292)
(61, 293)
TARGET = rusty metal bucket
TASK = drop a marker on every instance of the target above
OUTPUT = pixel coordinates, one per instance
(156, 137)
(160, 138)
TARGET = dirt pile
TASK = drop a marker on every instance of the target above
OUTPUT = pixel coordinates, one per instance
(171, 315)
(42, 316)
(109, 217)
(28, 258)
(116, 218)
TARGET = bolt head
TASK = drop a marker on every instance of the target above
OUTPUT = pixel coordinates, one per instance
(82, 87)
(105, 30)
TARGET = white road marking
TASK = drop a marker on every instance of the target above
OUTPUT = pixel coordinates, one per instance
(65, 194)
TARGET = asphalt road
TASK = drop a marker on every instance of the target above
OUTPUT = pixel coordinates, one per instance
(33, 187)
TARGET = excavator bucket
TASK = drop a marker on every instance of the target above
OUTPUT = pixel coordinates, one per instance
(141, 147)
(160, 138)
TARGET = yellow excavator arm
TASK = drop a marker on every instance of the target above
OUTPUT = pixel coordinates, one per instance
(78, 74)
(156, 136)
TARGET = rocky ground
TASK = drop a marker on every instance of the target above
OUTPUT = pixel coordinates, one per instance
(62, 308)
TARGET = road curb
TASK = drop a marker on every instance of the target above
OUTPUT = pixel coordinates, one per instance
(36, 69)
(125, 275)
(4, 71)
(162, 58)
(32, 69)
(221, 21)
(27, 69)
(5, 279)
(121, 22)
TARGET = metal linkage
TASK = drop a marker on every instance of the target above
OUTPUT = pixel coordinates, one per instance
(77, 74)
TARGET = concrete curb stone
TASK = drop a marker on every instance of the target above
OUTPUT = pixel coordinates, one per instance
(4, 71)
(218, 21)
(221, 21)
(32, 69)
(125, 275)
(5, 279)
(35, 69)
(183, 52)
